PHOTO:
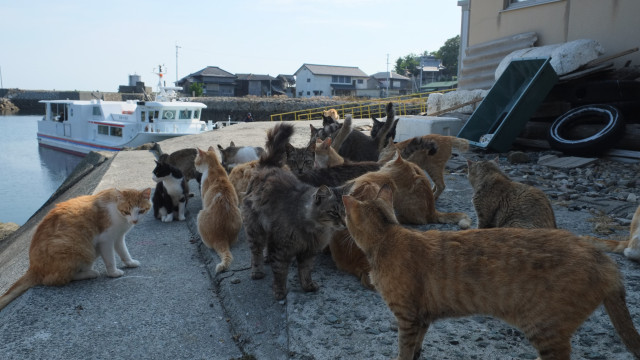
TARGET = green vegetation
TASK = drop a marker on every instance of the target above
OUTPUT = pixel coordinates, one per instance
(196, 89)
(409, 65)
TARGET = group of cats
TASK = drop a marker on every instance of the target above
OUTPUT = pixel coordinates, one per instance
(351, 192)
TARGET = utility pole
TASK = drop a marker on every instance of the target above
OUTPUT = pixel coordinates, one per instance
(388, 75)
(177, 47)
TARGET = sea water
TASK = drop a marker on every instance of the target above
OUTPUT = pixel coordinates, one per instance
(29, 174)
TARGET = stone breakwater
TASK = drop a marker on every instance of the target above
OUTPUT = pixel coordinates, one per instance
(218, 108)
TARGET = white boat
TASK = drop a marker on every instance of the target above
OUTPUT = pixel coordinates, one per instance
(82, 126)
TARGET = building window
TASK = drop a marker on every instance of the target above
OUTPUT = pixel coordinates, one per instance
(299, 93)
(96, 111)
(519, 4)
(103, 130)
(308, 93)
(341, 79)
(360, 81)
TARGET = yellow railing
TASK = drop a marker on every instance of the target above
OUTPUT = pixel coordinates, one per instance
(366, 109)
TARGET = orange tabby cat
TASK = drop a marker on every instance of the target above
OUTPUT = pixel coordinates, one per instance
(433, 164)
(414, 204)
(69, 239)
(219, 221)
(240, 176)
(546, 282)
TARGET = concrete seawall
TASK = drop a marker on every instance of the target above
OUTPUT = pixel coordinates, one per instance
(218, 108)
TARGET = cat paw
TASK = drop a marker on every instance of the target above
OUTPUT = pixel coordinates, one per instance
(132, 263)
(311, 287)
(280, 294)
(256, 275)
(221, 267)
(168, 218)
(115, 273)
(632, 254)
(182, 218)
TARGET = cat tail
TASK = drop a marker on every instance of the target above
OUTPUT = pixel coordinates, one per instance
(460, 143)
(23, 284)
(342, 134)
(417, 144)
(613, 246)
(276, 146)
(381, 137)
(616, 307)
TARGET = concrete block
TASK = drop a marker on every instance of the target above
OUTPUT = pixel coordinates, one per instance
(565, 57)
(412, 125)
(438, 102)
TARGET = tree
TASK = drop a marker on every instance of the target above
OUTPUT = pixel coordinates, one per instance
(196, 89)
(448, 53)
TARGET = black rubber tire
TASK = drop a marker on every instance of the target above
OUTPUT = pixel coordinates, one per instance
(611, 132)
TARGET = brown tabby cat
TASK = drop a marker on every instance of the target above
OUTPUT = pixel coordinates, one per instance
(546, 282)
(433, 164)
(183, 160)
(300, 160)
(219, 221)
(630, 248)
(501, 202)
(72, 235)
(289, 229)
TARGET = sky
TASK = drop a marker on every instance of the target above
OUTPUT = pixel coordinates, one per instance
(95, 45)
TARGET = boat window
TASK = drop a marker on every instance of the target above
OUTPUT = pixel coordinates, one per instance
(115, 131)
(103, 130)
(185, 114)
(96, 111)
(143, 116)
(196, 114)
(169, 114)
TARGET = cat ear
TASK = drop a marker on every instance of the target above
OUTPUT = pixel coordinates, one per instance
(386, 193)
(220, 147)
(200, 151)
(232, 144)
(318, 141)
(327, 141)
(348, 202)
(396, 157)
(322, 193)
(210, 148)
(146, 193)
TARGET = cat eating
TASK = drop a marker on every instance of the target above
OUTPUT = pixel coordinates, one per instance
(71, 236)
(546, 282)
(291, 219)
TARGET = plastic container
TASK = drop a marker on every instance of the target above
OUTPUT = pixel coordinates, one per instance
(412, 126)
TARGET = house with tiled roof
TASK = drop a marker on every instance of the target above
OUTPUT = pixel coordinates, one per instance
(329, 80)
(215, 81)
(254, 84)
(392, 82)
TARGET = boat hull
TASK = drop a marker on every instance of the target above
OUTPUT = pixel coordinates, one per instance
(82, 148)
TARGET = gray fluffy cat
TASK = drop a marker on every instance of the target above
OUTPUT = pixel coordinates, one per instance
(301, 160)
(501, 202)
(289, 229)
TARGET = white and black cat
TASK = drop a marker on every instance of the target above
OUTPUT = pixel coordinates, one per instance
(172, 191)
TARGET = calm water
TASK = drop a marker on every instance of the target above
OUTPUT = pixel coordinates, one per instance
(29, 174)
